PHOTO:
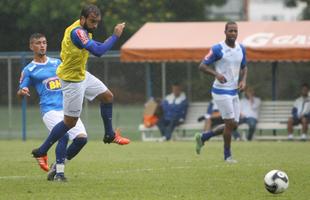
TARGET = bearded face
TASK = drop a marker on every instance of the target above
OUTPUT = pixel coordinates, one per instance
(231, 33)
(91, 22)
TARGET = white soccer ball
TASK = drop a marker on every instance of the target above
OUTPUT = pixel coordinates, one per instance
(276, 181)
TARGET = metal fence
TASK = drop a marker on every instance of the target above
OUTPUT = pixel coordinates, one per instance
(132, 84)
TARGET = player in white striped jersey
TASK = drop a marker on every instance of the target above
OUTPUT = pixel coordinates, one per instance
(229, 59)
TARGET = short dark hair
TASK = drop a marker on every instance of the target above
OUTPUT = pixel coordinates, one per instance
(36, 36)
(176, 83)
(90, 8)
(229, 23)
(305, 85)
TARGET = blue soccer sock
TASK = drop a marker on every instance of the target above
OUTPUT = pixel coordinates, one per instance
(75, 147)
(106, 114)
(61, 149)
(57, 132)
(207, 135)
(227, 152)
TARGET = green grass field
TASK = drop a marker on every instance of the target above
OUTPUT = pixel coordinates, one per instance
(165, 171)
(126, 117)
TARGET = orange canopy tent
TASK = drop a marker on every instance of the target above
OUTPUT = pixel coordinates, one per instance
(190, 41)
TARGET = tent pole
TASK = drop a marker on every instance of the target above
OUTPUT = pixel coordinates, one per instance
(24, 105)
(9, 117)
(274, 80)
(148, 78)
(189, 81)
(163, 79)
(274, 85)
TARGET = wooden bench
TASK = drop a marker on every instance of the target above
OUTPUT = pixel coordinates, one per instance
(273, 116)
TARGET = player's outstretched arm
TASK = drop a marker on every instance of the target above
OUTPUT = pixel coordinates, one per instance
(119, 28)
(98, 48)
(81, 40)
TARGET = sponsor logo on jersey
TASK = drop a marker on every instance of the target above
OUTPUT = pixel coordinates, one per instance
(82, 36)
(52, 83)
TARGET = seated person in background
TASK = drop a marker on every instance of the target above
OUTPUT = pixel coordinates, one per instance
(212, 117)
(174, 108)
(300, 113)
(249, 110)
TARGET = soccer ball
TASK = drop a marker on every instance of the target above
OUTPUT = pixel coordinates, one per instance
(276, 181)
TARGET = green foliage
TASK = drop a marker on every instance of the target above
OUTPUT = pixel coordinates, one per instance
(19, 19)
(306, 12)
(137, 12)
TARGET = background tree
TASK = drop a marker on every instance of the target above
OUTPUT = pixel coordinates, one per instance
(19, 19)
(305, 12)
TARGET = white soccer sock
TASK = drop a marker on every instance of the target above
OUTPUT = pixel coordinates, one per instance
(60, 168)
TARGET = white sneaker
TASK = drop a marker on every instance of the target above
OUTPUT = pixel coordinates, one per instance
(230, 160)
(243, 137)
(303, 137)
(162, 139)
(290, 137)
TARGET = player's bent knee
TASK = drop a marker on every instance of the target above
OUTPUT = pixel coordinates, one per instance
(235, 125)
(81, 135)
(70, 121)
(80, 141)
(106, 97)
(304, 120)
(232, 125)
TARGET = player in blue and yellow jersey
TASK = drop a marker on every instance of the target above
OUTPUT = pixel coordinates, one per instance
(41, 74)
(229, 59)
(77, 83)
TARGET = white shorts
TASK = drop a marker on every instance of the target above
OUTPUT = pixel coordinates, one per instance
(229, 106)
(53, 117)
(74, 92)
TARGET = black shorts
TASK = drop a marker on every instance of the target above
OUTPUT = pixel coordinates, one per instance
(297, 121)
(216, 121)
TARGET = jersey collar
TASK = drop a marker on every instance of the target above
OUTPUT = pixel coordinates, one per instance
(37, 63)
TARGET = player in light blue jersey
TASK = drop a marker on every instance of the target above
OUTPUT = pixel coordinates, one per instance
(229, 59)
(41, 74)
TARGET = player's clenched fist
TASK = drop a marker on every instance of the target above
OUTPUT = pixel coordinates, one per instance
(118, 29)
(23, 92)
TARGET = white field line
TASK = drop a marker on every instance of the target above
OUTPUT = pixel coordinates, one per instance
(114, 172)
(12, 177)
(138, 170)
(149, 169)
